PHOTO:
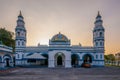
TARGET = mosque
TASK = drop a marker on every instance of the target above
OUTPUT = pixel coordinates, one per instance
(59, 52)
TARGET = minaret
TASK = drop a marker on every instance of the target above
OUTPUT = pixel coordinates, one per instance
(20, 34)
(98, 33)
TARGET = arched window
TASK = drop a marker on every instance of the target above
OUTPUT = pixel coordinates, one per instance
(18, 43)
(18, 55)
(18, 33)
(22, 43)
(96, 43)
(100, 34)
(96, 56)
(101, 56)
(87, 58)
(100, 43)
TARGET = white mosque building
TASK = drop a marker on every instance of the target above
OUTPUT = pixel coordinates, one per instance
(6, 56)
(59, 52)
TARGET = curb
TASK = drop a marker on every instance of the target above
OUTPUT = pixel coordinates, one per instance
(9, 70)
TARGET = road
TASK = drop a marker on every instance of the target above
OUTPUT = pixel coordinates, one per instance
(98, 73)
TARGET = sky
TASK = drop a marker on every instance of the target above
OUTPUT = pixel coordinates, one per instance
(73, 18)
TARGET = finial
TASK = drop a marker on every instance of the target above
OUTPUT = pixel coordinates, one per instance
(20, 13)
(38, 44)
(59, 32)
(98, 13)
(80, 44)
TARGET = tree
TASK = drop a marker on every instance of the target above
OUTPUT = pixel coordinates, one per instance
(7, 38)
(110, 57)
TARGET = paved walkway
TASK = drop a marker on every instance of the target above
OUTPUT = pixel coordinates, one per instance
(99, 73)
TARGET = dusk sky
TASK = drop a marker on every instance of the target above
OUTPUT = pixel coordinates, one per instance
(74, 18)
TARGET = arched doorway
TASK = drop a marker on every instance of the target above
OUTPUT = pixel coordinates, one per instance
(74, 60)
(7, 62)
(14, 61)
(7, 59)
(59, 60)
(87, 58)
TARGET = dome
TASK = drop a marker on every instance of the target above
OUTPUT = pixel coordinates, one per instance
(59, 38)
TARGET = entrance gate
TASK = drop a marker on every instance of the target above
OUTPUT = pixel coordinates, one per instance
(59, 60)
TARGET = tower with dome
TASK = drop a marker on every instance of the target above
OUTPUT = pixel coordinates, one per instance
(59, 52)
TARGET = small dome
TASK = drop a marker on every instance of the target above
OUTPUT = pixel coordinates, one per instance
(59, 38)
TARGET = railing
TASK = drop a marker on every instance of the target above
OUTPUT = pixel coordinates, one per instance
(113, 63)
(6, 47)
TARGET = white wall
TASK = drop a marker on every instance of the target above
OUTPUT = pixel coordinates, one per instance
(51, 59)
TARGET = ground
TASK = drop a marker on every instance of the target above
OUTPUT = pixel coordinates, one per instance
(96, 73)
